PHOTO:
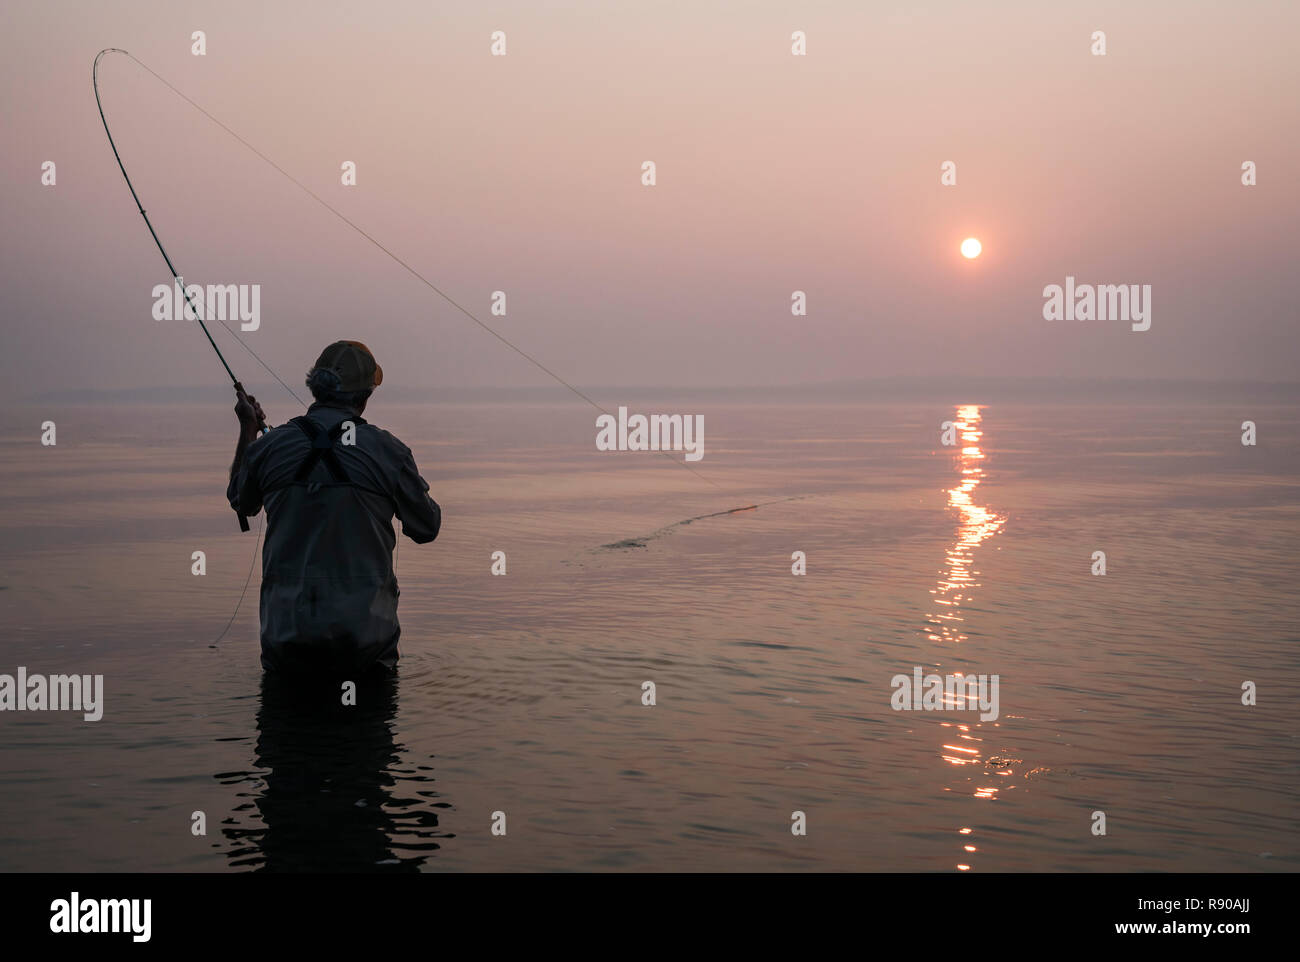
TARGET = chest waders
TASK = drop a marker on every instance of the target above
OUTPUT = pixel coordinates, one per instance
(329, 595)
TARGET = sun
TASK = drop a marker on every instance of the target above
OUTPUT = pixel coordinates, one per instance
(971, 247)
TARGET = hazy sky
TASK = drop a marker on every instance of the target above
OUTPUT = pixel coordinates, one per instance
(776, 173)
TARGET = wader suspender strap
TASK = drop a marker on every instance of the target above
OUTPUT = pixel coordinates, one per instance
(322, 449)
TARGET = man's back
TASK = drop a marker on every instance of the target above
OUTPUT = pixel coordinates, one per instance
(329, 594)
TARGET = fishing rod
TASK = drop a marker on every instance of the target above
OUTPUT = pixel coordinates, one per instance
(262, 426)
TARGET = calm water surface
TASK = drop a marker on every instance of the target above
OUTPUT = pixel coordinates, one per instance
(522, 694)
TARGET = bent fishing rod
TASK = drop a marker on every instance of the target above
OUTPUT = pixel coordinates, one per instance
(262, 426)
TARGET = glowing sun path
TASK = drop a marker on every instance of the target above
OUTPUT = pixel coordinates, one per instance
(963, 742)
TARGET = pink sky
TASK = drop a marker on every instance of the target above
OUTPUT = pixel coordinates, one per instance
(776, 173)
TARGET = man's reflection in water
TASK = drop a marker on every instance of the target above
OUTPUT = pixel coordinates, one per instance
(326, 781)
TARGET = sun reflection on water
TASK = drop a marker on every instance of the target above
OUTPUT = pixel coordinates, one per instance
(961, 747)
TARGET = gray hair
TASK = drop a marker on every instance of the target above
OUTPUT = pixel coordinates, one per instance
(327, 388)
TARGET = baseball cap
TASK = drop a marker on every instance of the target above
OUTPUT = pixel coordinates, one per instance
(353, 363)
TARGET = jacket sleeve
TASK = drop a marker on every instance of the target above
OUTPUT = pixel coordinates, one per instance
(244, 491)
(420, 515)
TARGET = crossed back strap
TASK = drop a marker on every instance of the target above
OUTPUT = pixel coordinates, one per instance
(322, 449)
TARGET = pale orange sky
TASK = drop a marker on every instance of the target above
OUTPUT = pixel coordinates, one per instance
(776, 173)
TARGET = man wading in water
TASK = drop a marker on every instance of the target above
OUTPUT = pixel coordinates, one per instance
(332, 484)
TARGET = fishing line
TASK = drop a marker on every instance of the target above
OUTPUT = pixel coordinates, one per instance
(407, 267)
(247, 581)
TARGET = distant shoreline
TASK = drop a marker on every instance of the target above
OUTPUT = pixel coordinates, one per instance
(876, 390)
